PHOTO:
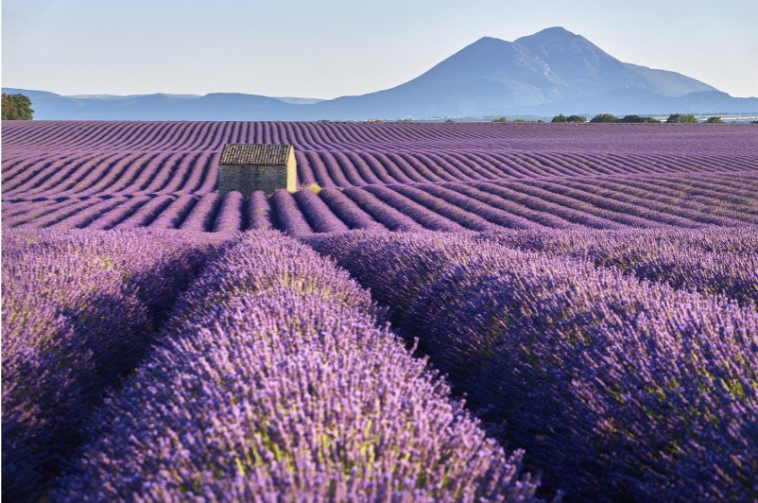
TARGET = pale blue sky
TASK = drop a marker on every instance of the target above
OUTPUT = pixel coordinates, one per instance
(328, 48)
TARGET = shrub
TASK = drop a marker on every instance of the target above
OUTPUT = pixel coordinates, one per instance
(16, 107)
(604, 118)
(638, 119)
(681, 118)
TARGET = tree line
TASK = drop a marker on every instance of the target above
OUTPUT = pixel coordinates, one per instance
(673, 118)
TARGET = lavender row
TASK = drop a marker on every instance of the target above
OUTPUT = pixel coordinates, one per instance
(617, 389)
(476, 206)
(640, 205)
(617, 216)
(716, 196)
(203, 214)
(392, 218)
(259, 213)
(408, 207)
(521, 212)
(163, 213)
(463, 217)
(733, 145)
(482, 206)
(318, 213)
(348, 211)
(78, 311)
(90, 174)
(710, 261)
(275, 384)
(572, 213)
(289, 218)
(122, 173)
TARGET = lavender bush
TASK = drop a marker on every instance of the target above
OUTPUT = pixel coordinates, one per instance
(616, 388)
(274, 383)
(709, 261)
(79, 310)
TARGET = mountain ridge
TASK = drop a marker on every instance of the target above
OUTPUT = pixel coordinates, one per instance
(549, 72)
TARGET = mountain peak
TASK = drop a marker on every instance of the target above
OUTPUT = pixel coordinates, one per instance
(488, 40)
(555, 34)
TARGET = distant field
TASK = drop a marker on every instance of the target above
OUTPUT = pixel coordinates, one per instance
(591, 290)
(475, 176)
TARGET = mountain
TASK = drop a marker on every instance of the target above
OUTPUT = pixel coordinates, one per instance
(216, 106)
(553, 71)
(299, 101)
(488, 75)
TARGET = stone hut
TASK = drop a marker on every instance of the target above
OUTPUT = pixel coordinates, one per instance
(247, 167)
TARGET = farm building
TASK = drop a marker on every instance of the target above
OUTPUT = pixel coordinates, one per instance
(249, 167)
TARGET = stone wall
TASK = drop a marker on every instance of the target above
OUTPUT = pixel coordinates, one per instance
(247, 179)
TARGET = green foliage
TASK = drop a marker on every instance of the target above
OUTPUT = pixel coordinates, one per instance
(714, 120)
(681, 118)
(579, 119)
(17, 107)
(632, 119)
(571, 118)
(501, 119)
(519, 120)
(604, 118)
(638, 119)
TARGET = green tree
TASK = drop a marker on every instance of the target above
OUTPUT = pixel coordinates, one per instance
(632, 119)
(714, 120)
(604, 118)
(579, 119)
(16, 107)
(679, 118)
(638, 119)
(571, 118)
(501, 119)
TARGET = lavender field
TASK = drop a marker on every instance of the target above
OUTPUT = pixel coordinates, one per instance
(441, 312)
(438, 176)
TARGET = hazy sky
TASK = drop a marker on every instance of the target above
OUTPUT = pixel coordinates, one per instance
(328, 48)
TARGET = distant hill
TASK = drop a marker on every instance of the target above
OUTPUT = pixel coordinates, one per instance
(553, 71)
(217, 106)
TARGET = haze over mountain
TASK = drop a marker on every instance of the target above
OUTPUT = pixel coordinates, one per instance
(553, 71)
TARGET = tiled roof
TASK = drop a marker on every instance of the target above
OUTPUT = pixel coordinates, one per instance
(255, 153)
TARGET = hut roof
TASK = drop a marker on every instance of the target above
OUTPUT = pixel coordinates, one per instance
(255, 153)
